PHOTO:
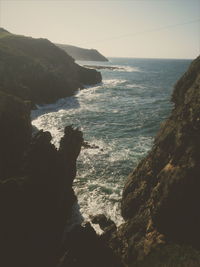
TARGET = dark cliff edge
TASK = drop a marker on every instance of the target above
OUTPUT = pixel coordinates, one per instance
(161, 198)
(83, 54)
(36, 194)
(160, 202)
(39, 71)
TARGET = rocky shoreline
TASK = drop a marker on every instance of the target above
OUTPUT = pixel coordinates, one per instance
(103, 67)
(38, 71)
(161, 196)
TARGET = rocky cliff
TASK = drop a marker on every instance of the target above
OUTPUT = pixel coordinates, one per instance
(37, 70)
(36, 195)
(84, 54)
(161, 198)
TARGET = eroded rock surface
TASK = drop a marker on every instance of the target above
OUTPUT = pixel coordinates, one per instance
(36, 194)
(161, 197)
(39, 71)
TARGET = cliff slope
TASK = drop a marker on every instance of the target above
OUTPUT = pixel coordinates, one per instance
(36, 195)
(84, 54)
(161, 197)
(37, 70)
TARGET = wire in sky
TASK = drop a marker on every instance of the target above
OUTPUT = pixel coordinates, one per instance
(147, 31)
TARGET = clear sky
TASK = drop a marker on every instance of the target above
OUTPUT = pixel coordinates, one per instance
(123, 28)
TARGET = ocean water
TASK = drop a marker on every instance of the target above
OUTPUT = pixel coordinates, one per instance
(121, 116)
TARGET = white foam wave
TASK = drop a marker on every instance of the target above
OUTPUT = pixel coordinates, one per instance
(94, 203)
(50, 122)
(114, 82)
(134, 85)
(124, 68)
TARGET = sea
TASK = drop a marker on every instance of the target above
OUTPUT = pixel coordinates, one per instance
(120, 118)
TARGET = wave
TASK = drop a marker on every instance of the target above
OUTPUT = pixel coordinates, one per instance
(134, 85)
(114, 82)
(94, 202)
(124, 68)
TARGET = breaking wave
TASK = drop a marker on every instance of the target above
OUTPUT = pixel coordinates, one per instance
(120, 116)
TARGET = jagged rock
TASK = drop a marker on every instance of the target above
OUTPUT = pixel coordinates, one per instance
(161, 197)
(70, 147)
(87, 145)
(36, 196)
(103, 221)
(83, 247)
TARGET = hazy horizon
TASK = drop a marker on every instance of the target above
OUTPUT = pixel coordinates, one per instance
(132, 29)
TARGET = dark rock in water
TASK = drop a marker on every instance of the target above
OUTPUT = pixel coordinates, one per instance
(161, 197)
(87, 145)
(103, 221)
(107, 226)
(70, 147)
(89, 76)
(103, 67)
(39, 71)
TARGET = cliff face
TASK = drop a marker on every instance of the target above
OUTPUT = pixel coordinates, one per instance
(37, 70)
(36, 195)
(84, 54)
(162, 195)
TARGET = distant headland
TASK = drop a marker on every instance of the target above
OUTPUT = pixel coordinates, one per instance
(38, 71)
(84, 54)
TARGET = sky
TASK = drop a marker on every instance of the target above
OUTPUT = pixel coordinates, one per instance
(116, 28)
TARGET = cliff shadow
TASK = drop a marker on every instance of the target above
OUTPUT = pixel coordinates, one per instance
(66, 103)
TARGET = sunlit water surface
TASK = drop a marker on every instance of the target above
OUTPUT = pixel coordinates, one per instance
(120, 116)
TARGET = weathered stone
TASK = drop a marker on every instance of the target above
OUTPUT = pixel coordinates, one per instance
(161, 197)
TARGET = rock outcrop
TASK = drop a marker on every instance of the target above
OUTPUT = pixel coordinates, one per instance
(15, 133)
(36, 195)
(161, 197)
(84, 54)
(39, 71)
(83, 247)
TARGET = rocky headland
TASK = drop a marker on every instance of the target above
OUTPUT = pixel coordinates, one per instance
(161, 196)
(82, 54)
(35, 177)
(39, 71)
